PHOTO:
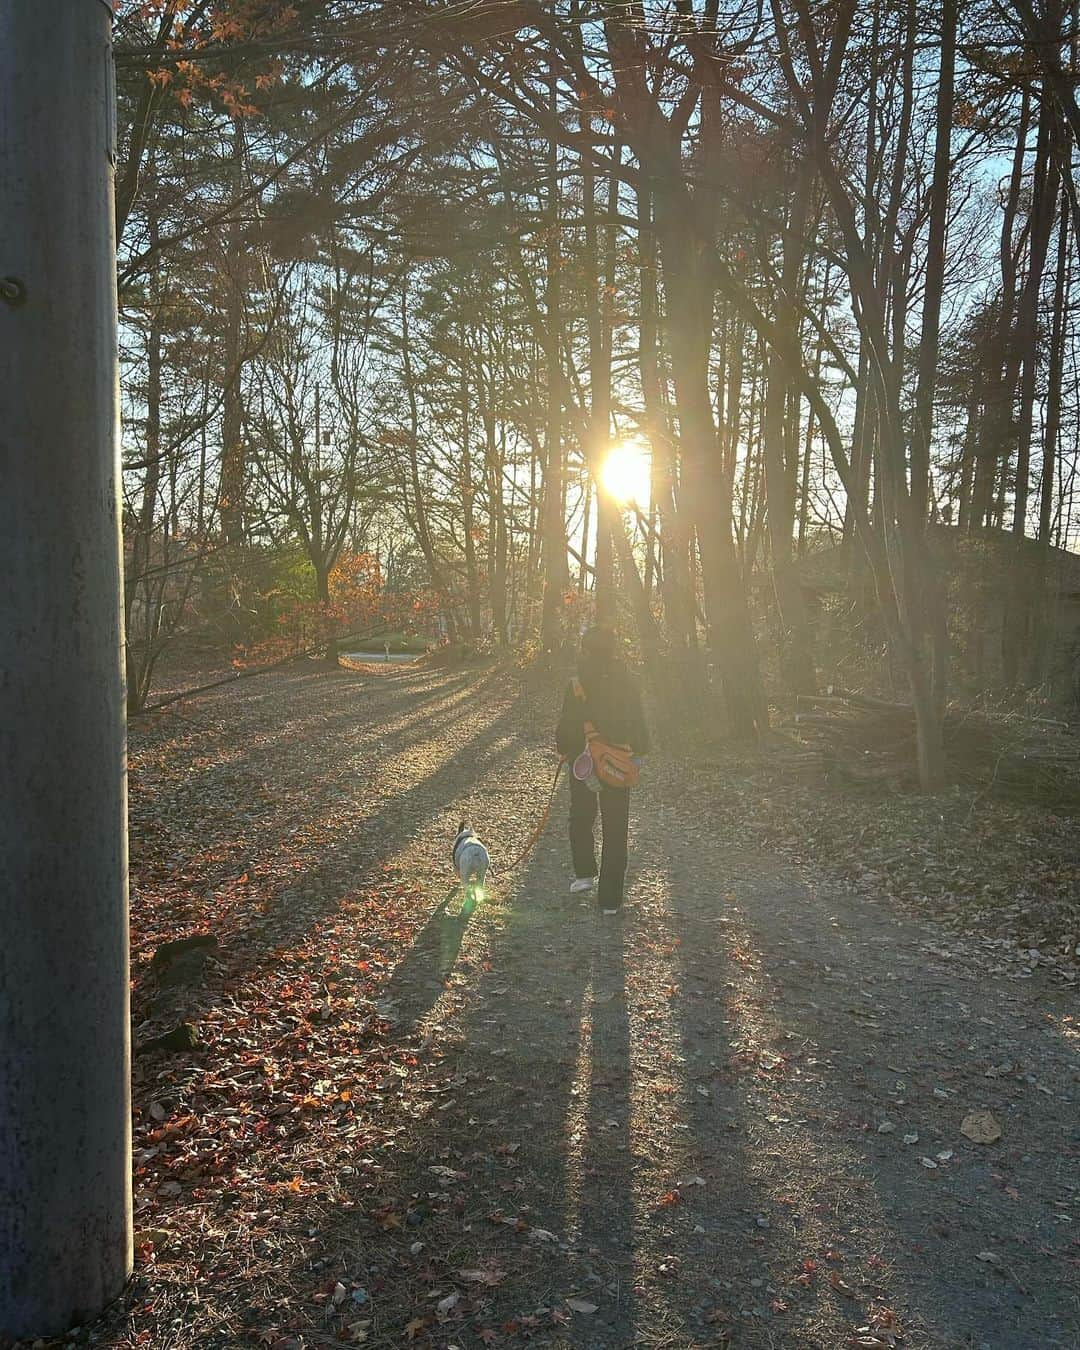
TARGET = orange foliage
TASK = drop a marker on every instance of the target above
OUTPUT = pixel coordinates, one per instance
(359, 604)
(211, 34)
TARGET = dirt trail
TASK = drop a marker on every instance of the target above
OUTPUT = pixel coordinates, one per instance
(683, 1127)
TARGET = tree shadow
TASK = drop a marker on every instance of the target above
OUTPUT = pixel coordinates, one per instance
(699, 1200)
(823, 1029)
(376, 840)
(600, 1168)
(340, 870)
(530, 1114)
(332, 725)
(257, 828)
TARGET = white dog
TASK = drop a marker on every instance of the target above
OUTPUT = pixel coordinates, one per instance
(471, 860)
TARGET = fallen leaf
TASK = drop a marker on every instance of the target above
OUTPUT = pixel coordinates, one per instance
(415, 1327)
(448, 1304)
(840, 1285)
(448, 1173)
(980, 1127)
(581, 1305)
(488, 1277)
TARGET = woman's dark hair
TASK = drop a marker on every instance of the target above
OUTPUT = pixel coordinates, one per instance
(599, 648)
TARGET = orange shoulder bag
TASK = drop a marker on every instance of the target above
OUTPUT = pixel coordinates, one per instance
(613, 764)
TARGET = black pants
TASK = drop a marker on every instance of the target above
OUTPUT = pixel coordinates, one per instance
(614, 805)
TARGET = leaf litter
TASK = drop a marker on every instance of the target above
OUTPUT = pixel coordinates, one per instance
(285, 1166)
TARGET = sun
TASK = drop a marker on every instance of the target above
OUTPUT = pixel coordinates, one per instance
(626, 474)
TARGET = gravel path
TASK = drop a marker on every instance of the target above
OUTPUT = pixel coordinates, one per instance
(730, 1116)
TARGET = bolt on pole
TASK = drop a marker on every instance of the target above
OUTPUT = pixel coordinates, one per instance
(65, 1150)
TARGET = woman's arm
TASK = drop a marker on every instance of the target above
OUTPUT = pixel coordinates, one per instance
(570, 731)
(640, 741)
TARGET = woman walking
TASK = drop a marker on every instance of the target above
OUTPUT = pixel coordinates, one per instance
(604, 698)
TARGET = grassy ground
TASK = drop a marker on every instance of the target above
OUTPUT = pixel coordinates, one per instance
(730, 1117)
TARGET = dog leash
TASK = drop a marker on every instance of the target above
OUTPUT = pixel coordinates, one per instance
(534, 838)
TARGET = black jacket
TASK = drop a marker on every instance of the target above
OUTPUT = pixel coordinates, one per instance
(612, 704)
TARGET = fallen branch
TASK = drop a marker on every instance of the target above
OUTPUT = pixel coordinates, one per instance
(870, 740)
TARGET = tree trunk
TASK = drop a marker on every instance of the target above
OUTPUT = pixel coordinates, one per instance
(995, 438)
(497, 582)
(864, 439)
(796, 659)
(1044, 202)
(598, 323)
(1021, 598)
(424, 536)
(690, 293)
(65, 1111)
(233, 466)
(935, 267)
(676, 590)
(556, 572)
(140, 595)
(472, 583)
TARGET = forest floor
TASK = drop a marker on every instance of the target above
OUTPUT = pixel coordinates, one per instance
(731, 1116)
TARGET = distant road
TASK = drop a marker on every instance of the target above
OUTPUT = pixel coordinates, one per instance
(381, 656)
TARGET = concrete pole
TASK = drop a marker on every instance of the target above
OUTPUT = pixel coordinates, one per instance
(65, 1149)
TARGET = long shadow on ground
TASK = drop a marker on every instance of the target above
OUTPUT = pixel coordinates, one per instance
(548, 1179)
(844, 1025)
(662, 1131)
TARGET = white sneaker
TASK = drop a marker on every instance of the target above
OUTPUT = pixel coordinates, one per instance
(582, 885)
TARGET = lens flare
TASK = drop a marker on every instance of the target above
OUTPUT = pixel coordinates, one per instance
(474, 893)
(625, 474)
